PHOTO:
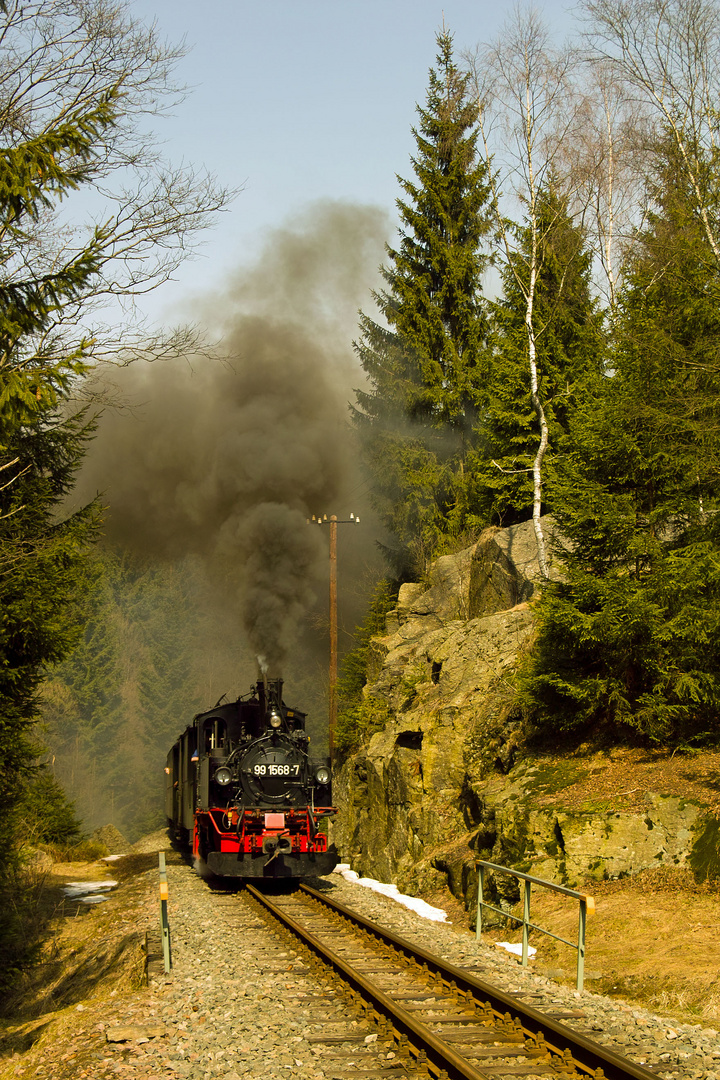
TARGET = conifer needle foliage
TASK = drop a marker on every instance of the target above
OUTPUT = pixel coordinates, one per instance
(42, 563)
(570, 359)
(358, 716)
(41, 443)
(75, 75)
(426, 364)
(628, 641)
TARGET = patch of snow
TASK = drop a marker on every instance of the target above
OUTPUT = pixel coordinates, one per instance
(515, 949)
(112, 858)
(85, 892)
(426, 911)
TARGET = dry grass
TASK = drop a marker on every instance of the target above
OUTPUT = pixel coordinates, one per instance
(653, 938)
(619, 778)
(87, 851)
(92, 953)
(651, 941)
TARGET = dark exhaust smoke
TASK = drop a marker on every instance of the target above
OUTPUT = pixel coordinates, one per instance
(280, 558)
(225, 458)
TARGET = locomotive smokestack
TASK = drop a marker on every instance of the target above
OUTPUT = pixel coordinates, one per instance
(269, 692)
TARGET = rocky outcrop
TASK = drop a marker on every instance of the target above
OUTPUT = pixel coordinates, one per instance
(569, 846)
(497, 573)
(440, 785)
(112, 838)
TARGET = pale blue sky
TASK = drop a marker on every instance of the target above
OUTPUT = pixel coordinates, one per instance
(301, 100)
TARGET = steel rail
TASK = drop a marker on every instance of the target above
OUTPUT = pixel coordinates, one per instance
(440, 1056)
(588, 1055)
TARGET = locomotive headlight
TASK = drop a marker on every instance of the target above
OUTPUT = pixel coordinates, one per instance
(322, 775)
(223, 776)
(275, 719)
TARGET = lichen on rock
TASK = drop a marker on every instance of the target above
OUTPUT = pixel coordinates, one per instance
(447, 780)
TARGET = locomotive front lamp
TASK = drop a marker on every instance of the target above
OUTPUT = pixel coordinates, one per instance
(275, 719)
(223, 776)
(322, 775)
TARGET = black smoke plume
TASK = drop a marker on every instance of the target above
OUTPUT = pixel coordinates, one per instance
(225, 458)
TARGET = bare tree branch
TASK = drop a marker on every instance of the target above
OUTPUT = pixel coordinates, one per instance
(666, 56)
(59, 57)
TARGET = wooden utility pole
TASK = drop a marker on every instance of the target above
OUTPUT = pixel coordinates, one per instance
(333, 522)
(333, 633)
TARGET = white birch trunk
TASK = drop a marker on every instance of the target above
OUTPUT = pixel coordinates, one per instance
(608, 239)
(530, 328)
(543, 444)
(526, 86)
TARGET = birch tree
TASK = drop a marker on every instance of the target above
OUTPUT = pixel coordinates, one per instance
(58, 60)
(666, 56)
(527, 106)
(570, 353)
(606, 158)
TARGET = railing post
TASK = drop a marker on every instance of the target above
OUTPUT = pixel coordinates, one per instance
(164, 924)
(526, 922)
(581, 943)
(586, 902)
(478, 921)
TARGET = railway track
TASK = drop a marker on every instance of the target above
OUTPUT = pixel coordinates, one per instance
(422, 1016)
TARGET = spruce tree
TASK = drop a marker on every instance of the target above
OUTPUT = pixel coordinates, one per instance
(627, 641)
(426, 365)
(75, 80)
(570, 348)
(42, 565)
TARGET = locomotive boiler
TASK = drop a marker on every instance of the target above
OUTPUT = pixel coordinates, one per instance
(241, 786)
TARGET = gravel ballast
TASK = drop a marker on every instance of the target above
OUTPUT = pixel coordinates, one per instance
(673, 1050)
(240, 1001)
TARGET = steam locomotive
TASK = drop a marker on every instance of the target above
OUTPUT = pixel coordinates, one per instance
(241, 783)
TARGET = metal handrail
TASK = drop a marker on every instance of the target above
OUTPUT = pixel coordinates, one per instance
(587, 904)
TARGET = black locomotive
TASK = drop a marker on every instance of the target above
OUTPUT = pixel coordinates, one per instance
(241, 783)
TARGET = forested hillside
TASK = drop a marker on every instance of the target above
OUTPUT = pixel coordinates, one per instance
(590, 386)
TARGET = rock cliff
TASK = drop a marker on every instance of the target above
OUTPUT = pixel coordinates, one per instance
(446, 782)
